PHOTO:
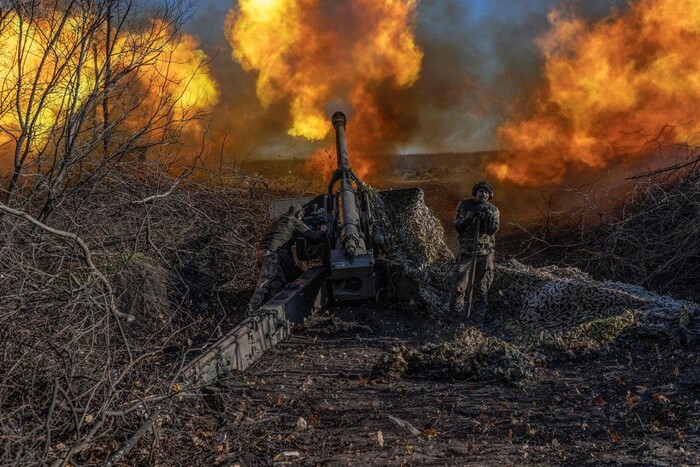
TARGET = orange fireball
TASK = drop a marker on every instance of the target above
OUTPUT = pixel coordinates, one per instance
(313, 55)
(52, 69)
(611, 88)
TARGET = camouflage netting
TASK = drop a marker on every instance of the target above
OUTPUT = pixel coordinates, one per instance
(415, 241)
(141, 285)
(564, 299)
(468, 354)
(540, 313)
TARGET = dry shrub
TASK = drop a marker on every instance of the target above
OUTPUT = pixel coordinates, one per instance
(653, 240)
(65, 361)
(143, 287)
(77, 378)
(650, 238)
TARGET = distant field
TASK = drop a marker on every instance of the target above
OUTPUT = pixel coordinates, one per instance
(390, 168)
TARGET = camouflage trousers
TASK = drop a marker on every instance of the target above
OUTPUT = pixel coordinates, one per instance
(483, 277)
(271, 278)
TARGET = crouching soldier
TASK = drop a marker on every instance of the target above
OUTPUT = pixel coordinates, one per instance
(477, 222)
(275, 254)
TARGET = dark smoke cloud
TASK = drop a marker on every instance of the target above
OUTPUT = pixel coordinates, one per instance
(478, 64)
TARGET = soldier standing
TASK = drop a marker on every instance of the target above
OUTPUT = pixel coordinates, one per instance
(275, 253)
(477, 222)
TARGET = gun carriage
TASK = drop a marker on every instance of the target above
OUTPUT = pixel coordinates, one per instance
(350, 269)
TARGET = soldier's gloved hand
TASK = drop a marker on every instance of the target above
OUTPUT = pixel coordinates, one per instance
(461, 223)
(484, 212)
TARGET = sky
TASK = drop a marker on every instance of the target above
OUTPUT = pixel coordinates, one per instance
(480, 58)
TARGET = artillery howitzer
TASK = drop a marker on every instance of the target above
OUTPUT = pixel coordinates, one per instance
(350, 269)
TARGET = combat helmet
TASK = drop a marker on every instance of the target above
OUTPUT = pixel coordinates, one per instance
(485, 185)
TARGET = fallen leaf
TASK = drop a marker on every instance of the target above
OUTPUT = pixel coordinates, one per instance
(177, 388)
(307, 384)
(598, 400)
(280, 401)
(614, 437)
(680, 435)
(363, 381)
(314, 419)
(430, 432)
(660, 397)
(409, 449)
(404, 424)
(618, 379)
(301, 424)
(676, 372)
(380, 439)
(510, 436)
(197, 441)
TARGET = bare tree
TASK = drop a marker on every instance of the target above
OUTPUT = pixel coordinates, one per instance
(85, 85)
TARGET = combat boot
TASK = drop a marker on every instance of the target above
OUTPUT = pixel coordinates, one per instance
(456, 308)
(478, 316)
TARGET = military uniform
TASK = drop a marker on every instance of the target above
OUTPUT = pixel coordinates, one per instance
(275, 255)
(469, 213)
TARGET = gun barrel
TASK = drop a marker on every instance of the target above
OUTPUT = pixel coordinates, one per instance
(341, 144)
(348, 210)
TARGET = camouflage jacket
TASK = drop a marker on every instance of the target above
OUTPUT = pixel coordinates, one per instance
(465, 224)
(283, 231)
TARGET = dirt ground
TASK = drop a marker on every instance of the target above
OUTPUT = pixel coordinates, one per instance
(313, 400)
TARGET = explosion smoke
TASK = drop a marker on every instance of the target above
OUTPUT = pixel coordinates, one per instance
(309, 54)
(610, 90)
